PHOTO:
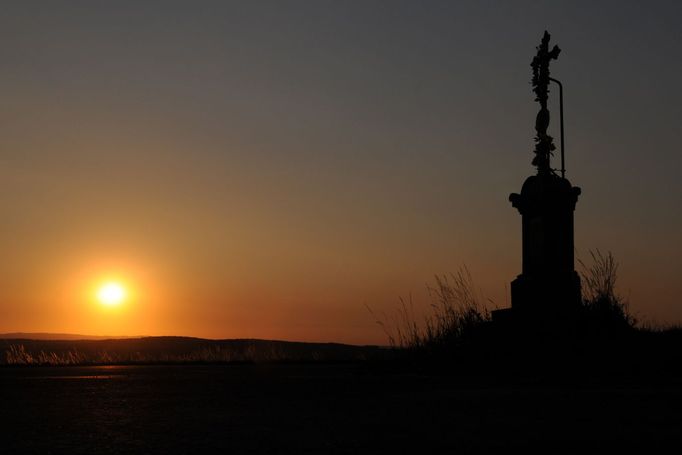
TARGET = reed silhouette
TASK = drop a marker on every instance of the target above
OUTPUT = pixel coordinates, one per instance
(175, 350)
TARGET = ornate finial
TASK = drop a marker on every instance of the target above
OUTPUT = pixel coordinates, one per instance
(544, 144)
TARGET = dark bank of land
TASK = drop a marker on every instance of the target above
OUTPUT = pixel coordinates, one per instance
(479, 348)
(481, 391)
(327, 408)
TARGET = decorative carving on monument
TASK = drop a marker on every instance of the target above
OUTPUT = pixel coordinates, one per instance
(544, 143)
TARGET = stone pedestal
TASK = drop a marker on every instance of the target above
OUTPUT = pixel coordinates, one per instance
(548, 286)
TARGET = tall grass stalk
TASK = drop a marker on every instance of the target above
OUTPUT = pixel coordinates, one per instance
(456, 313)
(601, 302)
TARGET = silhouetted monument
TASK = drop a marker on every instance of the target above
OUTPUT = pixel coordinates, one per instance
(548, 287)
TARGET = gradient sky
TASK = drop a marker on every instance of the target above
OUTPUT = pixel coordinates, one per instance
(266, 169)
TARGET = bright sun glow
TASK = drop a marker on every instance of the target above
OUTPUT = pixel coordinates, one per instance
(111, 294)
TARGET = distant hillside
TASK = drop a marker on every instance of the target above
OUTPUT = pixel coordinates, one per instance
(24, 351)
(55, 336)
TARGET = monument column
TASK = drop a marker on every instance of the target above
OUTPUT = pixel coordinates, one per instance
(548, 287)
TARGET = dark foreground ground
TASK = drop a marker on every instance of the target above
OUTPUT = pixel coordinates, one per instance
(302, 409)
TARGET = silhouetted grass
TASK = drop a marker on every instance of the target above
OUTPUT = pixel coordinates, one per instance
(456, 316)
(169, 350)
(603, 308)
(459, 335)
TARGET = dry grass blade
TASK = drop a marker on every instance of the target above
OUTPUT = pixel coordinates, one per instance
(456, 312)
(603, 305)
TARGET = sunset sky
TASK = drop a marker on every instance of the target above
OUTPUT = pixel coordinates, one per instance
(267, 169)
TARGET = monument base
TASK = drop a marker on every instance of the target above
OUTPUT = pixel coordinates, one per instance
(543, 294)
(542, 303)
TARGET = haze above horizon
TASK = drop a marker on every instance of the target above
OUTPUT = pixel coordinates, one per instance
(264, 170)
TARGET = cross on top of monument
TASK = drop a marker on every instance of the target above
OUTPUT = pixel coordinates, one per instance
(544, 144)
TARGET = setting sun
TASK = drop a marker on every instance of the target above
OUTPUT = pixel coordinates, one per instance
(111, 294)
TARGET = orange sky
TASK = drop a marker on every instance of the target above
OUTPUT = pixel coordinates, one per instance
(268, 171)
